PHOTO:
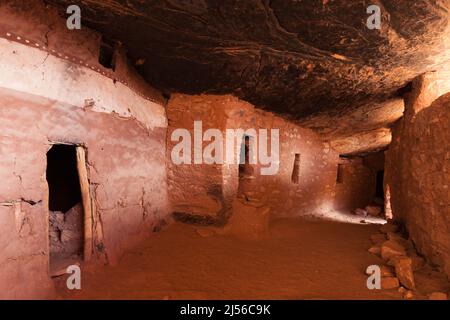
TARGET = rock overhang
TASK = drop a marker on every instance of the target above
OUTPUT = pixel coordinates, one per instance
(314, 62)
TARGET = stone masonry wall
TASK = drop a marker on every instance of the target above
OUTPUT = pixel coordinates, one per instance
(418, 173)
(198, 194)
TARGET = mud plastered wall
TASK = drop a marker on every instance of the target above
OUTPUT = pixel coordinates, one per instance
(194, 188)
(418, 173)
(46, 98)
(66, 65)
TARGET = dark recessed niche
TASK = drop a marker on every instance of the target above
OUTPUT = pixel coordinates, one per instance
(296, 170)
(106, 55)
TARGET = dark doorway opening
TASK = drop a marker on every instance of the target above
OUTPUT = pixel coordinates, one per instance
(380, 184)
(66, 228)
(245, 168)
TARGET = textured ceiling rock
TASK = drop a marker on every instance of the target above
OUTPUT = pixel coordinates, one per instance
(362, 143)
(358, 130)
(311, 60)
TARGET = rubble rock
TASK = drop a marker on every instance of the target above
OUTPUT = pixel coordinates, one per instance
(387, 271)
(389, 283)
(374, 211)
(404, 272)
(69, 235)
(417, 262)
(73, 219)
(438, 296)
(407, 244)
(378, 238)
(408, 294)
(66, 230)
(375, 250)
(392, 261)
(390, 249)
(56, 219)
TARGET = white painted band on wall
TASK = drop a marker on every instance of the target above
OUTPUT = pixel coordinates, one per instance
(100, 69)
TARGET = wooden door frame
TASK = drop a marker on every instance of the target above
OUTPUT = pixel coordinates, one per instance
(86, 200)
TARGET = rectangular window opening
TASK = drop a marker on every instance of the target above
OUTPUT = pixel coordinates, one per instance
(296, 170)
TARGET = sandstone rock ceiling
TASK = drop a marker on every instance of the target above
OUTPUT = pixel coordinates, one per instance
(310, 60)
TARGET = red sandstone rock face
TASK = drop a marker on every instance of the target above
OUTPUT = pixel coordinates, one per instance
(298, 57)
(365, 129)
(130, 189)
(418, 173)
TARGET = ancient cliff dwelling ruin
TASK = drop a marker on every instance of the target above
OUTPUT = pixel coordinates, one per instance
(208, 149)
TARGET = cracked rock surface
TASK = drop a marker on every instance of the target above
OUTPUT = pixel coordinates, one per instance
(312, 61)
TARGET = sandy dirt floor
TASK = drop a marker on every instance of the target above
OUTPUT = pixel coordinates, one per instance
(297, 259)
